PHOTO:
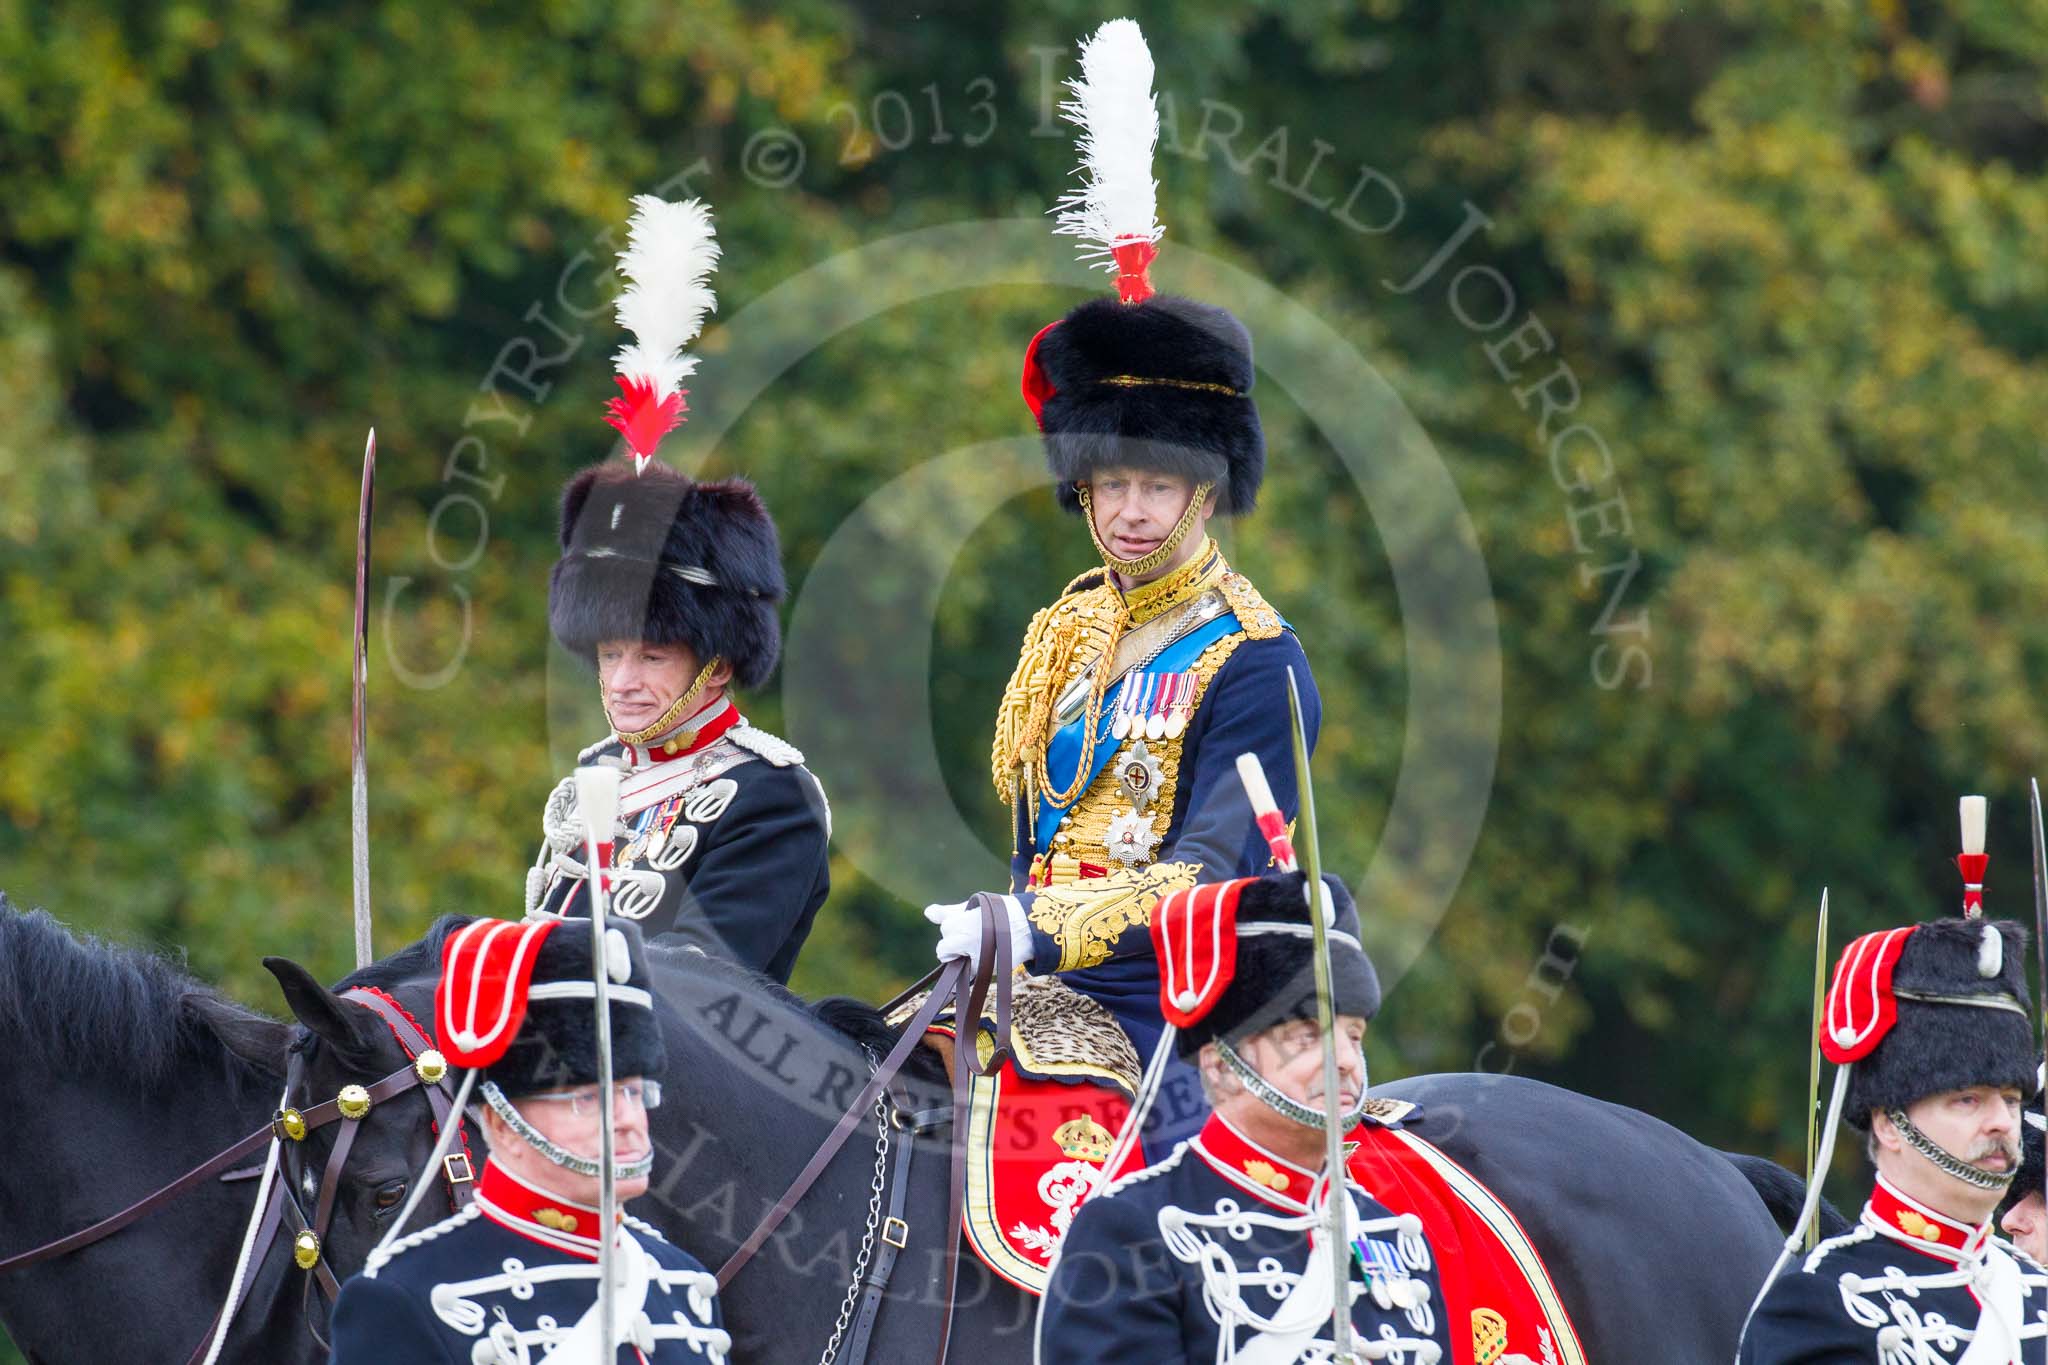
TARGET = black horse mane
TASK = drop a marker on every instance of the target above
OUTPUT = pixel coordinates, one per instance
(412, 962)
(79, 1003)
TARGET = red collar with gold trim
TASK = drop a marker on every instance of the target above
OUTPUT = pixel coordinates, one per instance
(686, 741)
(1271, 1177)
(535, 1214)
(1906, 1219)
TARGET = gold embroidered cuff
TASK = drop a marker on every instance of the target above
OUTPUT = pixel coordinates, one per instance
(1086, 918)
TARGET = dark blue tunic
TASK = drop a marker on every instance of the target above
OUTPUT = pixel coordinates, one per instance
(1190, 1261)
(727, 849)
(507, 1279)
(1089, 897)
(1907, 1286)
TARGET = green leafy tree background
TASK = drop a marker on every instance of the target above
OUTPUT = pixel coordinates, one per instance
(1792, 258)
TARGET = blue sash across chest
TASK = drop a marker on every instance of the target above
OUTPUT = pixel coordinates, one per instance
(1063, 752)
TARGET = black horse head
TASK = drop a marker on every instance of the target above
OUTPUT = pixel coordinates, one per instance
(350, 1194)
(123, 1073)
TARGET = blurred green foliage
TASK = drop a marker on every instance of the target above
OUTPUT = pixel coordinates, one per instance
(1794, 256)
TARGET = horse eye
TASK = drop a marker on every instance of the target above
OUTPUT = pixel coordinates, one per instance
(389, 1195)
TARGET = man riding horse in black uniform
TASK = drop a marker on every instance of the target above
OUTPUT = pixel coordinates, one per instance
(1934, 1029)
(513, 1277)
(1213, 1253)
(670, 587)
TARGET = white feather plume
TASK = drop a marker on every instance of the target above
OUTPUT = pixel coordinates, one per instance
(671, 250)
(1973, 810)
(1112, 102)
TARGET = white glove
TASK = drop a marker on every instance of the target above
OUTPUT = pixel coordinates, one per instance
(960, 931)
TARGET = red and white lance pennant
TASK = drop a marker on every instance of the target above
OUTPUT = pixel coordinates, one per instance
(1973, 860)
(1266, 811)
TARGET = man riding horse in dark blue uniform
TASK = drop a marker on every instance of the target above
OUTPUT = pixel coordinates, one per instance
(1219, 1252)
(513, 1277)
(1933, 1031)
(670, 587)
(1134, 692)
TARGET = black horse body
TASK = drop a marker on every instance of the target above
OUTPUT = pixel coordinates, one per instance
(1656, 1243)
(121, 1075)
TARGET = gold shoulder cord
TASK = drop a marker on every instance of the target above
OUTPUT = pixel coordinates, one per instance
(676, 711)
(1048, 657)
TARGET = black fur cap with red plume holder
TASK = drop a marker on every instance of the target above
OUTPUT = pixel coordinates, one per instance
(649, 553)
(1143, 380)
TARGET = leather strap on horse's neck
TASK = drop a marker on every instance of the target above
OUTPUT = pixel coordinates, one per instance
(969, 990)
(148, 1204)
(876, 1284)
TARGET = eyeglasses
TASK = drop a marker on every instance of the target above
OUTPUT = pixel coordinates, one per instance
(584, 1103)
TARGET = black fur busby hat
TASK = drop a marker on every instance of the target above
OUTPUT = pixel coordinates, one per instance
(1160, 384)
(1963, 1018)
(2033, 1162)
(556, 1046)
(1143, 380)
(1274, 979)
(657, 556)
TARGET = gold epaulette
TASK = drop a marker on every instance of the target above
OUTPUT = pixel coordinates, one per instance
(1254, 612)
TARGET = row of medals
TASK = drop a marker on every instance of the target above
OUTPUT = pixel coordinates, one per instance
(1165, 723)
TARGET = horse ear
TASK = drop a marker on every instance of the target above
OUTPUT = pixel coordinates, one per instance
(320, 1009)
(257, 1039)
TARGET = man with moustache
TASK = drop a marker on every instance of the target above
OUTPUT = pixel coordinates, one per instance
(513, 1277)
(1934, 1024)
(1212, 1254)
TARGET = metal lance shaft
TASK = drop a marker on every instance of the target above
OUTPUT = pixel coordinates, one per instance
(1272, 824)
(359, 772)
(1339, 1199)
(2040, 923)
(597, 801)
(1820, 989)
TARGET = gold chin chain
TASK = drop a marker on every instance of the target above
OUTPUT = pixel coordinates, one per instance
(679, 708)
(1144, 564)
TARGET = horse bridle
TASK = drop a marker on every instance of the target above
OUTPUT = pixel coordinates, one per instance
(425, 1068)
(965, 986)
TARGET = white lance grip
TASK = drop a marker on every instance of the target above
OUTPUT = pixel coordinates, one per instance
(1266, 811)
(1973, 823)
(597, 802)
(1253, 775)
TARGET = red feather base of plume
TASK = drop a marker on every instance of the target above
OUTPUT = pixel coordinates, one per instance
(1133, 270)
(641, 417)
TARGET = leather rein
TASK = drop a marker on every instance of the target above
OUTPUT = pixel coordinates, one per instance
(966, 987)
(958, 982)
(425, 1069)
